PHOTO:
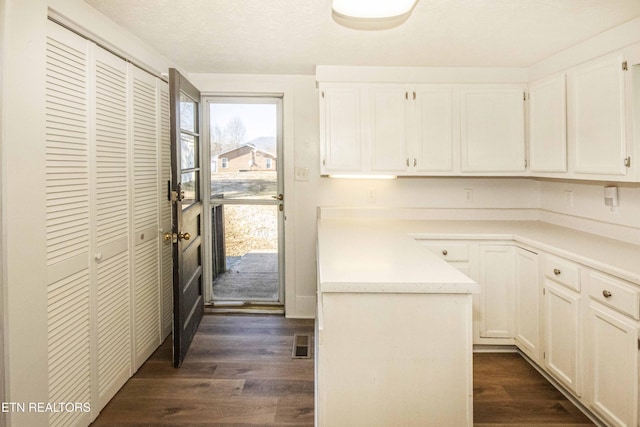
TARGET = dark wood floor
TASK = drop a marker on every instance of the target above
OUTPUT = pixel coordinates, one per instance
(239, 371)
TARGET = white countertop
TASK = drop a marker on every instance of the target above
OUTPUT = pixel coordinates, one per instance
(366, 256)
(382, 255)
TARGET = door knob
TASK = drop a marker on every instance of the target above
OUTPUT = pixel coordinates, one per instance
(184, 236)
(167, 236)
(278, 197)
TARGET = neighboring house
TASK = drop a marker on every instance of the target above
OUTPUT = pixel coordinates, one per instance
(247, 157)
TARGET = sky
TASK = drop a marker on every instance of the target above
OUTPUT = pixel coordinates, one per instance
(259, 119)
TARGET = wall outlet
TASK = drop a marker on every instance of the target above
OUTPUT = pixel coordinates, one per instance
(468, 195)
(568, 198)
(371, 195)
(302, 174)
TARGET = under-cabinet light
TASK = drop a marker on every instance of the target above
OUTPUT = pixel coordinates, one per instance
(363, 176)
(371, 14)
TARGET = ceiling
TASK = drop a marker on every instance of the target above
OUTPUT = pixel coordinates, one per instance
(293, 36)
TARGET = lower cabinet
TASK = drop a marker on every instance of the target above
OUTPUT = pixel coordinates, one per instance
(580, 325)
(497, 295)
(527, 289)
(562, 331)
(612, 337)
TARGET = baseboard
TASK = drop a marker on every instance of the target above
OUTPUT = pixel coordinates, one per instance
(487, 348)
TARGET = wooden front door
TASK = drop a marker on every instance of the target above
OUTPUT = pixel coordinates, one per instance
(186, 194)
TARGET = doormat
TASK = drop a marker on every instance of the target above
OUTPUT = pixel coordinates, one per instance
(301, 346)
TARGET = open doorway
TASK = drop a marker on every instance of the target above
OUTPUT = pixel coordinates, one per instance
(246, 200)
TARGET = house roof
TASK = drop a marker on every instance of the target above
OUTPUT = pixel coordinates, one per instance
(266, 145)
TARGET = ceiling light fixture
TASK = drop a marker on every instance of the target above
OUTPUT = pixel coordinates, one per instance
(372, 14)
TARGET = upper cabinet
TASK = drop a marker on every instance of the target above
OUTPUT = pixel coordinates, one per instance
(492, 129)
(596, 110)
(412, 129)
(416, 129)
(341, 129)
(548, 125)
(583, 122)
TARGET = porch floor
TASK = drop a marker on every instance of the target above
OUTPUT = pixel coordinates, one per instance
(253, 277)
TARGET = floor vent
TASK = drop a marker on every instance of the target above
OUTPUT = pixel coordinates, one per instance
(301, 344)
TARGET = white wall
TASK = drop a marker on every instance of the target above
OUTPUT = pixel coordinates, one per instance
(588, 212)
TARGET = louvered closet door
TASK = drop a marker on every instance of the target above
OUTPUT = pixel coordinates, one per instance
(67, 223)
(145, 216)
(166, 255)
(111, 231)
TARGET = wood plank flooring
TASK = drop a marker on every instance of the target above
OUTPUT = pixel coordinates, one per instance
(239, 372)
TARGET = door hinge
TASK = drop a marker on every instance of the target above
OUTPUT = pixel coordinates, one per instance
(638, 343)
(627, 162)
(524, 96)
(544, 355)
(625, 67)
(322, 94)
(544, 291)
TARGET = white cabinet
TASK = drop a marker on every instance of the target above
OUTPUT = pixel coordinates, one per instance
(613, 349)
(421, 129)
(390, 108)
(497, 296)
(455, 252)
(492, 129)
(548, 125)
(436, 134)
(562, 323)
(596, 106)
(527, 288)
(412, 129)
(341, 129)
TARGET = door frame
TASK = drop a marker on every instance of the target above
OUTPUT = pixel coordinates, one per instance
(240, 98)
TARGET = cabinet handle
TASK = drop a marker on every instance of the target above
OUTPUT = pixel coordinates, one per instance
(444, 252)
(415, 162)
(407, 162)
(556, 271)
(414, 95)
(606, 294)
(406, 95)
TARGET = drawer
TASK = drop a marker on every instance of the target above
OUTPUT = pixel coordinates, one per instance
(449, 251)
(615, 293)
(562, 271)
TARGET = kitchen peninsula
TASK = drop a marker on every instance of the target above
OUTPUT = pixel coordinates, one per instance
(394, 331)
(396, 321)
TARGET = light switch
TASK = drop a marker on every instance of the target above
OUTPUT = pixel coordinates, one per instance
(302, 174)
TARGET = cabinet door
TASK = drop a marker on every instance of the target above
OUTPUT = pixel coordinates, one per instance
(492, 130)
(389, 111)
(614, 366)
(548, 125)
(597, 117)
(340, 129)
(434, 134)
(527, 303)
(496, 294)
(562, 332)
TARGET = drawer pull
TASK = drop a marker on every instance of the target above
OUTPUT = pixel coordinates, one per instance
(606, 294)
(444, 252)
(556, 271)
